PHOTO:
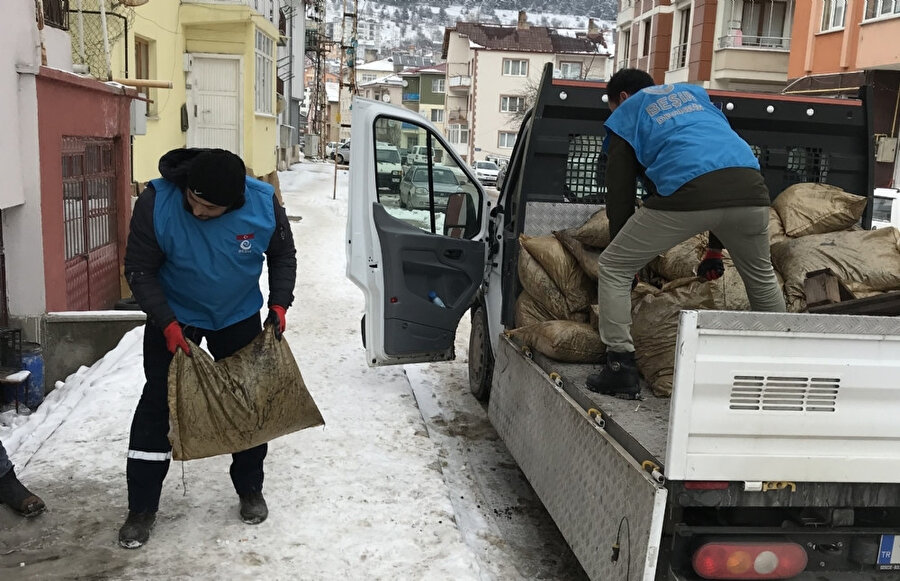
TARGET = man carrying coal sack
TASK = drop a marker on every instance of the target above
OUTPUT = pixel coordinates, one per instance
(700, 176)
(193, 262)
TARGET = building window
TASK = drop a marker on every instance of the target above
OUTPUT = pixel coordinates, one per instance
(679, 52)
(645, 39)
(506, 140)
(515, 68)
(145, 58)
(56, 13)
(458, 134)
(512, 104)
(437, 115)
(876, 8)
(763, 23)
(625, 43)
(367, 77)
(265, 64)
(437, 85)
(833, 14)
(570, 70)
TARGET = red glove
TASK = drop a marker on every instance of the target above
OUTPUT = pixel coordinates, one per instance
(711, 267)
(277, 319)
(175, 338)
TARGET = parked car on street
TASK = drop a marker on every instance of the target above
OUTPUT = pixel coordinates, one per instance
(330, 148)
(419, 155)
(486, 172)
(342, 153)
(388, 170)
(414, 187)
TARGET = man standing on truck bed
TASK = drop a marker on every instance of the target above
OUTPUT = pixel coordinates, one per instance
(701, 176)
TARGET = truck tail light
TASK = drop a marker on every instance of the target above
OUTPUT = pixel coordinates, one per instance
(721, 560)
(706, 484)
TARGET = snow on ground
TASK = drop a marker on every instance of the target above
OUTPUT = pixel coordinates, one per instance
(372, 495)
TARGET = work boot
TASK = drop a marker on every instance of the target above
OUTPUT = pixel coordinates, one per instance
(618, 376)
(253, 508)
(136, 530)
(14, 494)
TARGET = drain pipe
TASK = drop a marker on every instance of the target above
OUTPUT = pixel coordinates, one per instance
(102, 4)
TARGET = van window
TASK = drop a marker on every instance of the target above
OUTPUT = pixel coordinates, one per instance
(387, 155)
(881, 209)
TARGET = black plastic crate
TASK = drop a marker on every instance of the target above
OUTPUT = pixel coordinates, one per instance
(11, 349)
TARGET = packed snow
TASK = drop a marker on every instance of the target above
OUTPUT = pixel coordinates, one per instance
(407, 479)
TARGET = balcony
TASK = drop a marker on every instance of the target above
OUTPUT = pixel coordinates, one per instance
(626, 13)
(459, 116)
(459, 82)
(678, 59)
(735, 39)
(413, 97)
(752, 59)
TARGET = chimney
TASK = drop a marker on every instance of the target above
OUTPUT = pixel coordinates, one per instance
(593, 29)
(523, 21)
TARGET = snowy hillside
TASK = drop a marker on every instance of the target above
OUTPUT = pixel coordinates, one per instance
(422, 27)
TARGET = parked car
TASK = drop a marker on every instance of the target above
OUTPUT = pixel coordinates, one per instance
(330, 148)
(414, 187)
(388, 170)
(342, 153)
(486, 172)
(419, 155)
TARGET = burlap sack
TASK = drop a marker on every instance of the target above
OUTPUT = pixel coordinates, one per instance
(529, 311)
(776, 228)
(538, 284)
(681, 261)
(654, 327)
(817, 209)
(595, 231)
(865, 260)
(588, 257)
(562, 340)
(236, 403)
(563, 270)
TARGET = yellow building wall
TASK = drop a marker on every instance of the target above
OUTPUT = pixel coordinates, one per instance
(174, 29)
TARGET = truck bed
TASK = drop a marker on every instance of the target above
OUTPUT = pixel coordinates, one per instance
(640, 426)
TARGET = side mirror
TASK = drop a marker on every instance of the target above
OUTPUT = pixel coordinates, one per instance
(460, 216)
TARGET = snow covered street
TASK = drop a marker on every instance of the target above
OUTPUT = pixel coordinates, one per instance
(407, 479)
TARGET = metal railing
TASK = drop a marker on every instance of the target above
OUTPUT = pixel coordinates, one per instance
(460, 82)
(679, 57)
(456, 115)
(738, 40)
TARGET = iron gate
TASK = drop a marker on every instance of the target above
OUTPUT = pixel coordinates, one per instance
(89, 219)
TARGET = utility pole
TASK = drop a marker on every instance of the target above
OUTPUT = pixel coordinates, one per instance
(349, 44)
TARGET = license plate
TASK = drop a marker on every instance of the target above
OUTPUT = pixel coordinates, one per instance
(889, 553)
(396, 179)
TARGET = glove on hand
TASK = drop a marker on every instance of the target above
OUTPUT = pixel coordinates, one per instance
(175, 338)
(711, 267)
(277, 320)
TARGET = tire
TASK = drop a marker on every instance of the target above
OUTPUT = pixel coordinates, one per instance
(339, 159)
(481, 358)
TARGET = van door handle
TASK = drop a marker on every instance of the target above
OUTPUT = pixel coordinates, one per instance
(453, 254)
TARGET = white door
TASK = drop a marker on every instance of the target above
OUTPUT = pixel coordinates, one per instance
(214, 103)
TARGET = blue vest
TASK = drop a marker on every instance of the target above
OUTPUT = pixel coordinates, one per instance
(212, 268)
(678, 135)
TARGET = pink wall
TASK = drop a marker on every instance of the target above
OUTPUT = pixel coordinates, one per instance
(69, 105)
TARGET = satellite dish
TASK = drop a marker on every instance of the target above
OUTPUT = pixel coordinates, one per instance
(386, 98)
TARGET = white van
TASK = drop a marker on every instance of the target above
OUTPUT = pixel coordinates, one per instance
(886, 208)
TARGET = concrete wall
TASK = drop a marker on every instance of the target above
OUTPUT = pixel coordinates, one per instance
(71, 340)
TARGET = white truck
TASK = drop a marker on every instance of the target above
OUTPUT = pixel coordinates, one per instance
(778, 456)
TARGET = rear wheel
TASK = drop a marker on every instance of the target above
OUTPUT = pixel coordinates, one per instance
(339, 159)
(481, 358)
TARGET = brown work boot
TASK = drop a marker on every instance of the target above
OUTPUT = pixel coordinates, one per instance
(14, 494)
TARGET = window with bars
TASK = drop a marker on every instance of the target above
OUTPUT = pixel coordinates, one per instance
(56, 13)
(806, 164)
(879, 8)
(89, 195)
(265, 64)
(585, 180)
(833, 14)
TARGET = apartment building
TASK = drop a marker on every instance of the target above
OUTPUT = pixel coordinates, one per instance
(843, 45)
(719, 44)
(493, 72)
(425, 91)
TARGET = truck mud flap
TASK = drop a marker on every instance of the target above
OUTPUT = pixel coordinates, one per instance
(597, 494)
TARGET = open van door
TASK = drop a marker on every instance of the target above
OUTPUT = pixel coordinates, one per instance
(418, 252)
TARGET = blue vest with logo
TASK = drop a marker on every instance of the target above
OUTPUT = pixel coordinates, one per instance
(212, 268)
(678, 135)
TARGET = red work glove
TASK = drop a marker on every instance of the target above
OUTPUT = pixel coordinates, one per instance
(277, 320)
(175, 338)
(711, 267)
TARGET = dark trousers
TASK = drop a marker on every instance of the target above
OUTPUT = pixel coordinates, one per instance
(149, 451)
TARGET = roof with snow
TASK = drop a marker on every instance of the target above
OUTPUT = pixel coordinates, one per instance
(525, 39)
(386, 80)
(439, 69)
(383, 65)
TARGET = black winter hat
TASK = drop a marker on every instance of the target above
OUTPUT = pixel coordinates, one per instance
(217, 176)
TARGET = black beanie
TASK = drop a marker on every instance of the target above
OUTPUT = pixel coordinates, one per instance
(217, 176)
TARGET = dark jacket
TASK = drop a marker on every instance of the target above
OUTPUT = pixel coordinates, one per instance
(144, 257)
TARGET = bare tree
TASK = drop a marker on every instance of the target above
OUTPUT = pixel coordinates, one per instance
(529, 94)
